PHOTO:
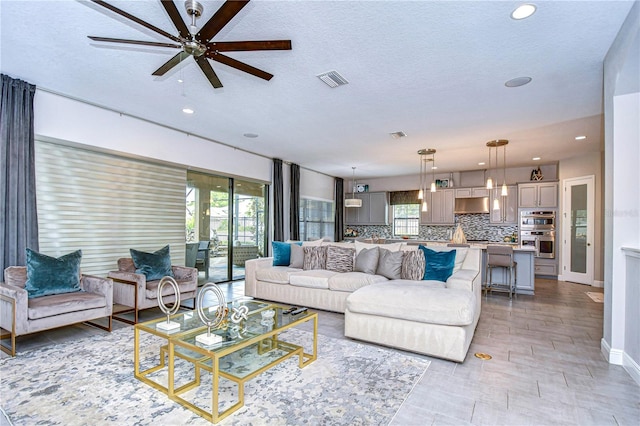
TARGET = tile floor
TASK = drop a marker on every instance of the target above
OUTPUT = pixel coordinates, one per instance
(546, 365)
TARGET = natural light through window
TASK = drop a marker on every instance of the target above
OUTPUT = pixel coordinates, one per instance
(406, 220)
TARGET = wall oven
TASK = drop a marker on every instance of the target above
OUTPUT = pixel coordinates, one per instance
(537, 220)
(538, 230)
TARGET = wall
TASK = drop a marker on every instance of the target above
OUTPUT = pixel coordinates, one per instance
(622, 179)
(579, 166)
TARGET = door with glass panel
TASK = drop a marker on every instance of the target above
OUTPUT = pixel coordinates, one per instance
(225, 218)
(578, 230)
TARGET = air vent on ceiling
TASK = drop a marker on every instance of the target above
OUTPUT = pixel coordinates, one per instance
(398, 135)
(332, 79)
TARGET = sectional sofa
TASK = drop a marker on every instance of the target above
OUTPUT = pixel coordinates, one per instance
(432, 317)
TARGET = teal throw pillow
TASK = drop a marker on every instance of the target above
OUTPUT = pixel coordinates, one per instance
(48, 275)
(438, 264)
(154, 265)
(282, 253)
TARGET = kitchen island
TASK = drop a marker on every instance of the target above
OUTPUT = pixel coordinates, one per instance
(525, 282)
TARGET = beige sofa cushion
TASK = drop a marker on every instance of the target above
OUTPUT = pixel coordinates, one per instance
(315, 278)
(419, 301)
(391, 247)
(275, 274)
(351, 281)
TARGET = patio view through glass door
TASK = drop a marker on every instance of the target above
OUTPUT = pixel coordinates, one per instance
(225, 218)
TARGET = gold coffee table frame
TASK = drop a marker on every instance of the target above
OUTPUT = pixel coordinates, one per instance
(209, 359)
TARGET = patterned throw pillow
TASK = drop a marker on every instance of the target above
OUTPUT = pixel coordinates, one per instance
(413, 265)
(340, 259)
(314, 257)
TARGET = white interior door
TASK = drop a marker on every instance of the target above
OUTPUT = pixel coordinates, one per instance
(578, 230)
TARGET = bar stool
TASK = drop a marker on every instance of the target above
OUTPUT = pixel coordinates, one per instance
(501, 256)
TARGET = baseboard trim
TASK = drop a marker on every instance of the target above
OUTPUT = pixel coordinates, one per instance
(599, 284)
(613, 356)
(632, 367)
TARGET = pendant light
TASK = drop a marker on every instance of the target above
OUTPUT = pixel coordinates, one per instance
(433, 172)
(496, 144)
(422, 191)
(353, 201)
(489, 180)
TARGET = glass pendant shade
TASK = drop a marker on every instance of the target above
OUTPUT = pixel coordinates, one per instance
(420, 194)
(424, 206)
(504, 191)
(496, 204)
(489, 183)
(433, 187)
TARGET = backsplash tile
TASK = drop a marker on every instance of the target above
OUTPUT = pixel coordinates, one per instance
(474, 226)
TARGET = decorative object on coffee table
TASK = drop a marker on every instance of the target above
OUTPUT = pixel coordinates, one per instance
(169, 325)
(209, 339)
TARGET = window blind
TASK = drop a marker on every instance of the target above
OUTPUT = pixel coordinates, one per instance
(104, 205)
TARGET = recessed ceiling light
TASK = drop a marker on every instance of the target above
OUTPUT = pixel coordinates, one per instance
(580, 138)
(523, 11)
(187, 110)
(518, 81)
(536, 158)
(180, 80)
(482, 163)
(250, 135)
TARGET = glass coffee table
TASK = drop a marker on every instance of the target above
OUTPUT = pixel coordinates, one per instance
(244, 352)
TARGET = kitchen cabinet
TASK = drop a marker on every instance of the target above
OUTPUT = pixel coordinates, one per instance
(374, 210)
(508, 212)
(440, 208)
(472, 192)
(544, 194)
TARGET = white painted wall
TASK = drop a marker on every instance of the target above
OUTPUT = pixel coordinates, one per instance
(316, 185)
(622, 179)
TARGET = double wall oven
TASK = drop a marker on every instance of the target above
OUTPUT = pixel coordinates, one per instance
(538, 230)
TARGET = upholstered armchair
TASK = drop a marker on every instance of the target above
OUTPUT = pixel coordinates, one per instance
(133, 290)
(20, 315)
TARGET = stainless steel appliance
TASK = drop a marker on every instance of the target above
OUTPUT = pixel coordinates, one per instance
(538, 230)
(542, 241)
(537, 220)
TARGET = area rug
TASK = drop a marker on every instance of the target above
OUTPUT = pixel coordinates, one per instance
(595, 296)
(90, 382)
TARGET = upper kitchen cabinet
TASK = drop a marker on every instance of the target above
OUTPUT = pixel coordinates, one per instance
(472, 192)
(508, 212)
(440, 206)
(374, 210)
(543, 194)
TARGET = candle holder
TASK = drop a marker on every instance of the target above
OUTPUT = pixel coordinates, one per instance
(169, 325)
(209, 339)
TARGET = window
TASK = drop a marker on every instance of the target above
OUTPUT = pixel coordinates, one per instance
(316, 219)
(406, 219)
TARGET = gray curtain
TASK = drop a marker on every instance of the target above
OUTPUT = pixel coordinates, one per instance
(294, 206)
(338, 234)
(19, 228)
(278, 201)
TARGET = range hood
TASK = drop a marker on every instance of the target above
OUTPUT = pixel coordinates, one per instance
(472, 205)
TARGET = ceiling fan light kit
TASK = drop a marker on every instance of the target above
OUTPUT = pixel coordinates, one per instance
(198, 43)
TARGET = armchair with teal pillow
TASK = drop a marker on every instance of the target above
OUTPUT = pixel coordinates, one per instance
(51, 292)
(135, 283)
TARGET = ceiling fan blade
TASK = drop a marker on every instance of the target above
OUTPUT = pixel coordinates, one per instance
(171, 63)
(227, 11)
(205, 66)
(172, 10)
(136, 20)
(143, 43)
(233, 63)
(237, 46)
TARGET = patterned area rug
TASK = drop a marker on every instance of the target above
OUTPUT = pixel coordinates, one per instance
(91, 382)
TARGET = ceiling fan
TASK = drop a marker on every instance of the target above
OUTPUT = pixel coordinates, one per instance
(198, 43)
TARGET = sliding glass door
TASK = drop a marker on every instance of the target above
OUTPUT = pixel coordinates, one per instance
(225, 218)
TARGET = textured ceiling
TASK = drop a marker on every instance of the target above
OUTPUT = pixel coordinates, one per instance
(433, 69)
